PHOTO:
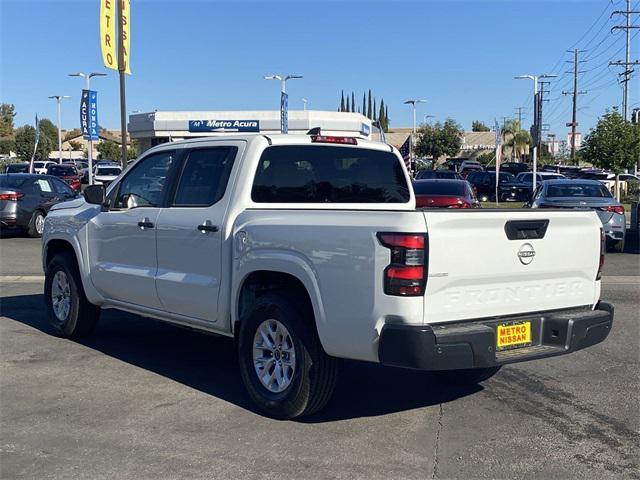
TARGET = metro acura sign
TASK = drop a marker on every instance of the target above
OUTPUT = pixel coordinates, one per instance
(224, 125)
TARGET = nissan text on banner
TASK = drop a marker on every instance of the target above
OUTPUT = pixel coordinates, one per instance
(108, 33)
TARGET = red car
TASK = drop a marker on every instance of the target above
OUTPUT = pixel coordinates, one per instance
(68, 173)
(444, 194)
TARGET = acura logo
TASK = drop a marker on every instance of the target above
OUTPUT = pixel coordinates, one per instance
(526, 253)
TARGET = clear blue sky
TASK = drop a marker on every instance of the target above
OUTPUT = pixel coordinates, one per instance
(211, 55)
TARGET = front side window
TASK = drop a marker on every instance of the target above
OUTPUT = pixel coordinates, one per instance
(323, 174)
(204, 177)
(144, 185)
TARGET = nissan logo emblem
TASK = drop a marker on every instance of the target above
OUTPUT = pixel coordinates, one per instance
(526, 253)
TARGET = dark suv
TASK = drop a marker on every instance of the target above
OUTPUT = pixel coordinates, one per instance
(484, 184)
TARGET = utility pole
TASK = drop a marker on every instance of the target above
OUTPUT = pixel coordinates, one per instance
(627, 62)
(58, 99)
(519, 111)
(574, 122)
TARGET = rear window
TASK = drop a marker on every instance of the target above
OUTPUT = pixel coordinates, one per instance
(437, 174)
(439, 188)
(322, 174)
(7, 181)
(61, 170)
(578, 190)
(18, 168)
(108, 171)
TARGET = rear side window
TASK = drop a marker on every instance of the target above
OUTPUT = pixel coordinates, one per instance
(322, 174)
(204, 177)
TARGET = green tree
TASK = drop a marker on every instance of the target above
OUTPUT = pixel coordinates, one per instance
(369, 106)
(613, 144)
(348, 107)
(364, 103)
(381, 116)
(25, 141)
(7, 145)
(342, 101)
(109, 150)
(374, 111)
(478, 126)
(7, 114)
(439, 140)
(75, 145)
(72, 134)
(49, 130)
(353, 102)
(386, 117)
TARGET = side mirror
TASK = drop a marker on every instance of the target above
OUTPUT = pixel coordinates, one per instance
(95, 194)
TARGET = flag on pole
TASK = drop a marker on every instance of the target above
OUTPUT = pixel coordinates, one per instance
(405, 151)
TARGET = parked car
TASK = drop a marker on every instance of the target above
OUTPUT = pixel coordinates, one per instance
(17, 168)
(307, 249)
(41, 167)
(569, 171)
(628, 177)
(81, 166)
(68, 173)
(469, 166)
(484, 184)
(445, 174)
(585, 194)
(25, 200)
(514, 167)
(521, 188)
(441, 193)
(105, 174)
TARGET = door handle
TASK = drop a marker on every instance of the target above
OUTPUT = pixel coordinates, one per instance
(207, 227)
(145, 224)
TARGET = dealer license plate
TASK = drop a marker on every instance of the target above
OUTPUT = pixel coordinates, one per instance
(514, 335)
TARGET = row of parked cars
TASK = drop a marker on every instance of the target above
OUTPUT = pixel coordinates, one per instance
(26, 198)
(581, 189)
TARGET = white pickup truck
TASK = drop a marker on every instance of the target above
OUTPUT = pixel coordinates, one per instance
(309, 249)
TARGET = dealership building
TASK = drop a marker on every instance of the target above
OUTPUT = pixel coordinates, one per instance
(154, 128)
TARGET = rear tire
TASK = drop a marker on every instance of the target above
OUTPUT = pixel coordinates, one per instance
(36, 224)
(469, 376)
(71, 315)
(618, 246)
(309, 374)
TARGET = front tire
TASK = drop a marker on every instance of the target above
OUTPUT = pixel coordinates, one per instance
(283, 365)
(469, 376)
(71, 315)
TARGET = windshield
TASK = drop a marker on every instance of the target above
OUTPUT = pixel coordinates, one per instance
(578, 190)
(18, 168)
(439, 188)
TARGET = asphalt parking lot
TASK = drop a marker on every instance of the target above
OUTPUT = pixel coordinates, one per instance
(141, 399)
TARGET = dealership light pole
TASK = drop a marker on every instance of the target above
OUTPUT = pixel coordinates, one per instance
(304, 104)
(58, 101)
(284, 121)
(412, 102)
(87, 86)
(535, 79)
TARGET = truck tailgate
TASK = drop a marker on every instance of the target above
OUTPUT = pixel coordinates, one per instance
(476, 271)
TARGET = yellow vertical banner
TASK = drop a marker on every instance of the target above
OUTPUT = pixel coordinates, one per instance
(126, 38)
(108, 38)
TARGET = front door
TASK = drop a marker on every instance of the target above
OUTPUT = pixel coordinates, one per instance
(122, 240)
(190, 233)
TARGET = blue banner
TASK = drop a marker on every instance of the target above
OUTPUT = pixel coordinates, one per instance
(284, 113)
(89, 115)
(224, 125)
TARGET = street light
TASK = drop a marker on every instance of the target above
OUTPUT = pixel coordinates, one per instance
(87, 86)
(535, 79)
(427, 117)
(304, 104)
(58, 101)
(284, 121)
(412, 102)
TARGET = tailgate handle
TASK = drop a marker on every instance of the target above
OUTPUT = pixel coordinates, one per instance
(525, 229)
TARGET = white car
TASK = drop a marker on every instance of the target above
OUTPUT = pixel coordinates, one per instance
(309, 249)
(41, 167)
(105, 174)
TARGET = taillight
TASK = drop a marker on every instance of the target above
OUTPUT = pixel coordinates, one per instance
(328, 139)
(603, 245)
(460, 204)
(616, 209)
(406, 275)
(15, 196)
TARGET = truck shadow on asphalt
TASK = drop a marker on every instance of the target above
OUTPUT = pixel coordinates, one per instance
(209, 364)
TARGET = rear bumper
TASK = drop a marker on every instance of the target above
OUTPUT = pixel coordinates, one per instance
(473, 344)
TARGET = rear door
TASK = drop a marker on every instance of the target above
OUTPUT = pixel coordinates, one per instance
(491, 263)
(190, 232)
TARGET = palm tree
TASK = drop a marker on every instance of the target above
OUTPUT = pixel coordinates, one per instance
(515, 137)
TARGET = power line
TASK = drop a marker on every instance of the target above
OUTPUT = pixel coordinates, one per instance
(627, 27)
